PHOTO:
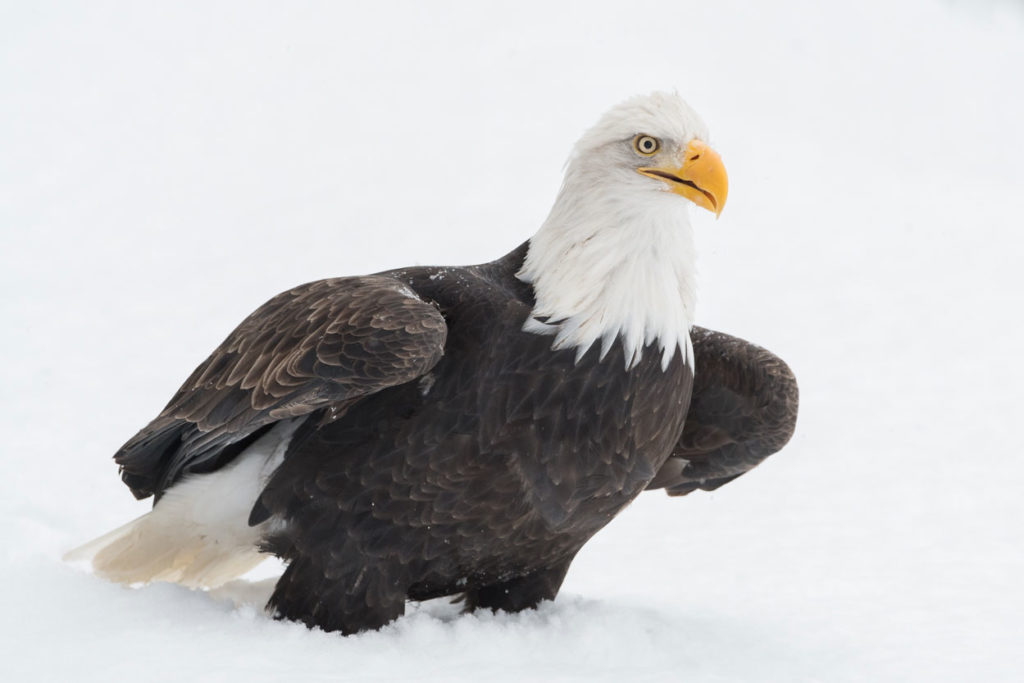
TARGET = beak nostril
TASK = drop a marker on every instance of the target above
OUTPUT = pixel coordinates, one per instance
(695, 157)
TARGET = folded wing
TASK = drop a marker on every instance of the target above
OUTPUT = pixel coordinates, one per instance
(325, 344)
(743, 409)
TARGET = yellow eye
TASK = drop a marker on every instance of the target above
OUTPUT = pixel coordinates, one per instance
(646, 145)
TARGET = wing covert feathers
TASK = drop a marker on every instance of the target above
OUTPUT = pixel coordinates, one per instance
(325, 343)
(743, 409)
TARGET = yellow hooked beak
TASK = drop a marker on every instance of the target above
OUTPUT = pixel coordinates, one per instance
(701, 178)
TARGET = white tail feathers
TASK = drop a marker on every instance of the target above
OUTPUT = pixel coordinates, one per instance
(198, 534)
(155, 547)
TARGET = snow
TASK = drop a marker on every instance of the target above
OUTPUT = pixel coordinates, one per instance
(157, 162)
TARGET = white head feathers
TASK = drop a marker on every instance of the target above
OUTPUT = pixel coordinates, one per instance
(615, 257)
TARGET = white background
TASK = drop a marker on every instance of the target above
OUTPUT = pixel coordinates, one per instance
(164, 170)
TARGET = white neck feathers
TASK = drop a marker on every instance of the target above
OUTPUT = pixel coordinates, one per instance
(613, 260)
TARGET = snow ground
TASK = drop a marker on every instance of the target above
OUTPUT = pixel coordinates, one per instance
(163, 170)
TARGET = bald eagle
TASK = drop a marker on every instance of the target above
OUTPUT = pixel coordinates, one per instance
(434, 431)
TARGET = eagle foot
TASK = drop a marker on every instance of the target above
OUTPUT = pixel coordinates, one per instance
(519, 593)
(364, 599)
